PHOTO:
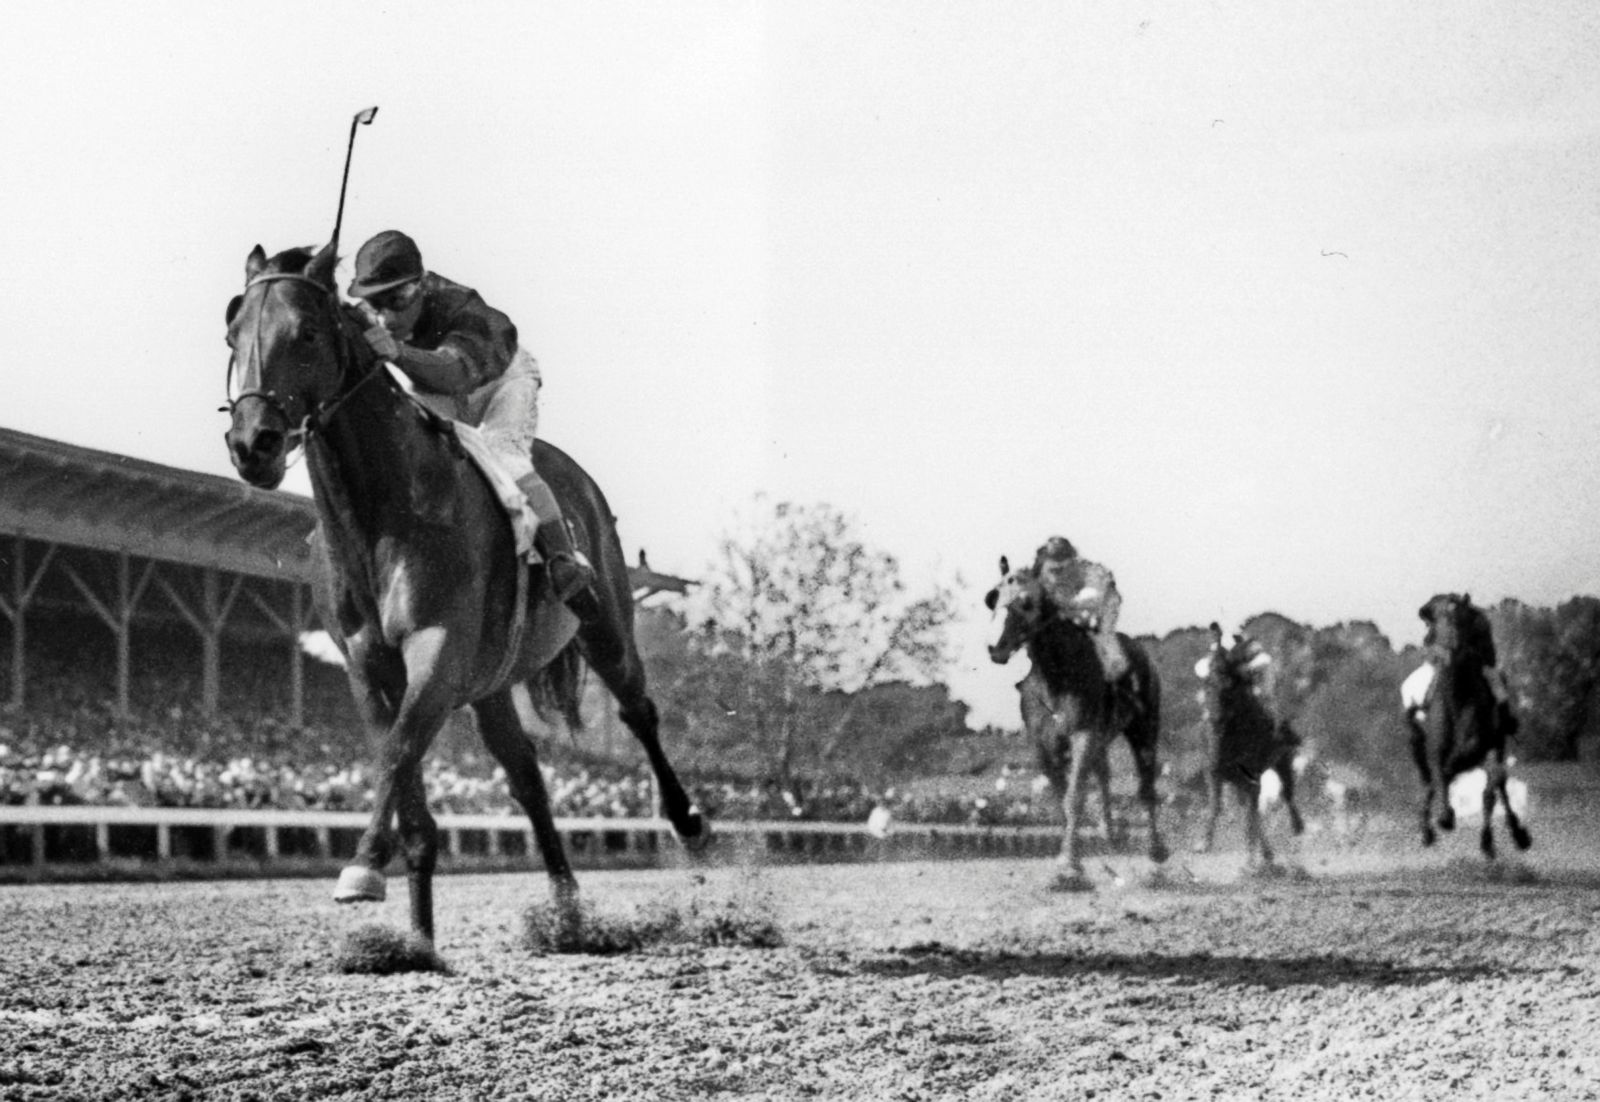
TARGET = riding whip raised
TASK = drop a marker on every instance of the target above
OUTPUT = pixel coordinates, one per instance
(362, 118)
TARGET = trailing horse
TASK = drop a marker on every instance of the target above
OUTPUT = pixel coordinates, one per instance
(1461, 727)
(1070, 712)
(1247, 740)
(418, 580)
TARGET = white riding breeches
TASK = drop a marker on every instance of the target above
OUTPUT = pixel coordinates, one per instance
(504, 410)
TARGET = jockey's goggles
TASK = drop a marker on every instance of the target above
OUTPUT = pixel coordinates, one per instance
(396, 299)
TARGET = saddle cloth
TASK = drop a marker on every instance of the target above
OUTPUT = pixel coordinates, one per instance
(1414, 689)
(524, 522)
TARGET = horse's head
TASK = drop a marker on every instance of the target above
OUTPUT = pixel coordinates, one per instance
(288, 357)
(1457, 627)
(1018, 605)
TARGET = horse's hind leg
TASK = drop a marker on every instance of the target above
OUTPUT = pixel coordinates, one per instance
(501, 731)
(1213, 812)
(609, 648)
(1285, 771)
(1142, 741)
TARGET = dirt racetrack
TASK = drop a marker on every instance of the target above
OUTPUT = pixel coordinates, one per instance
(1379, 971)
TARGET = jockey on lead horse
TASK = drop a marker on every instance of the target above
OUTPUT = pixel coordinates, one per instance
(1085, 593)
(462, 356)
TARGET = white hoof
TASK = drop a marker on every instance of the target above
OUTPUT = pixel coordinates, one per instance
(359, 884)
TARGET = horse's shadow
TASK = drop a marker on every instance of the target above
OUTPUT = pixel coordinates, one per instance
(1328, 970)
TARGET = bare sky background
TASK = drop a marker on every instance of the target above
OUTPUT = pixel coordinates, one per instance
(1268, 306)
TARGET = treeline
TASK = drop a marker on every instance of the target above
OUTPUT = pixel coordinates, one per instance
(1338, 685)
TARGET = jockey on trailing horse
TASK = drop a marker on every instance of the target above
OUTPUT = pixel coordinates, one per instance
(462, 356)
(1085, 593)
(1417, 690)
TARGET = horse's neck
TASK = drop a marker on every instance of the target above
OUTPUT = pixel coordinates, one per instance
(1461, 673)
(374, 461)
(1064, 656)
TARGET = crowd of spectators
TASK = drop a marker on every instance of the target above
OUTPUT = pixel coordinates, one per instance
(68, 747)
(63, 774)
(66, 774)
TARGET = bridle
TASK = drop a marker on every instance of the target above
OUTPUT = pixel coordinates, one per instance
(317, 417)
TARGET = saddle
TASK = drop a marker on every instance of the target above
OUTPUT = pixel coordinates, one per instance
(524, 521)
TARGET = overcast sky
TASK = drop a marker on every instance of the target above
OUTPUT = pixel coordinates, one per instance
(1267, 306)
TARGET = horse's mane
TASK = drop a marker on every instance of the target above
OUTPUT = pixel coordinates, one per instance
(1474, 631)
(292, 260)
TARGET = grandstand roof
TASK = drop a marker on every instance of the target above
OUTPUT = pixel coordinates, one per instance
(62, 493)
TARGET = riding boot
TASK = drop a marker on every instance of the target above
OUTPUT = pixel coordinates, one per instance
(571, 576)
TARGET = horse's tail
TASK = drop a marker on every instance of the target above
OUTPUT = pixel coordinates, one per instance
(558, 688)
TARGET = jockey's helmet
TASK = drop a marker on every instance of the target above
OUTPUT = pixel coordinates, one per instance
(1057, 549)
(387, 260)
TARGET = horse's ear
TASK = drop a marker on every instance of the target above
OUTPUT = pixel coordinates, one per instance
(233, 307)
(991, 598)
(1425, 613)
(1005, 568)
(253, 263)
(322, 265)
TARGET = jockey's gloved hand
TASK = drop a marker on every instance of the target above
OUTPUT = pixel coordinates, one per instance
(381, 341)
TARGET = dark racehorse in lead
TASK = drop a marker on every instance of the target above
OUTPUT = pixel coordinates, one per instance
(1247, 740)
(418, 579)
(1462, 726)
(1068, 709)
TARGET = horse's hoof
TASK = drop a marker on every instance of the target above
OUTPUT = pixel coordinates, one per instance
(359, 884)
(697, 837)
(1159, 853)
(1521, 837)
(1265, 870)
(1202, 847)
(1428, 836)
(1447, 819)
(1071, 880)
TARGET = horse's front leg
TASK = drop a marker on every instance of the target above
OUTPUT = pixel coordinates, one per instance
(1255, 835)
(419, 840)
(1441, 784)
(423, 709)
(377, 682)
(1102, 775)
(1069, 865)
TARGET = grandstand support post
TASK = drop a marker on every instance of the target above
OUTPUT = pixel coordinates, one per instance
(207, 621)
(297, 659)
(16, 610)
(120, 618)
(293, 628)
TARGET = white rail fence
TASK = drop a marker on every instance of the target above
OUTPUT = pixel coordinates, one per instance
(63, 841)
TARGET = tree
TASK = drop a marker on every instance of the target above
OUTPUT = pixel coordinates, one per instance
(1552, 661)
(798, 607)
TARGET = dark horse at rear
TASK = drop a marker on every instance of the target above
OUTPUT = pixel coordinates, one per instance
(1462, 726)
(1247, 740)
